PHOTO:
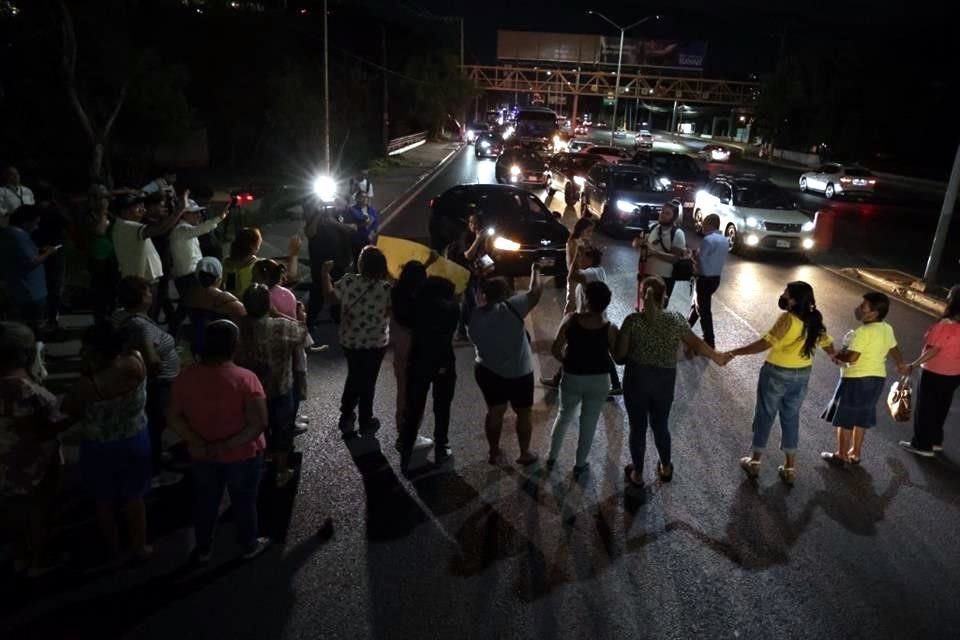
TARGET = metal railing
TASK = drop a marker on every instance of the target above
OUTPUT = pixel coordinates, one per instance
(405, 141)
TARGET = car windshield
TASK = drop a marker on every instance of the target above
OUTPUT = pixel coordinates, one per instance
(857, 172)
(524, 157)
(762, 196)
(633, 181)
(582, 163)
(676, 167)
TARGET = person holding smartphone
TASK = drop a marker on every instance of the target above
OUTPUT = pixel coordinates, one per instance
(23, 266)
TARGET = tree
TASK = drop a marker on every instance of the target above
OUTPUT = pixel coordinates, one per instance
(440, 91)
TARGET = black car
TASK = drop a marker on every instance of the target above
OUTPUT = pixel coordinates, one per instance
(488, 146)
(626, 197)
(523, 229)
(685, 175)
(568, 173)
(522, 167)
(475, 129)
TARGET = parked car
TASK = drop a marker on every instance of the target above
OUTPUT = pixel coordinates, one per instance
(578, 146)
(645, 139)
(522, 166)
(610, 154)
(568, 173)
(626, 197)
(755, 214)
(684, 173)
(488, 145)
(474, 129)
(714, 153)
(835, 179)
(522, 230)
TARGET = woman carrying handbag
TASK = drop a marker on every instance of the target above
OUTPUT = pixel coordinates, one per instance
(939, 379)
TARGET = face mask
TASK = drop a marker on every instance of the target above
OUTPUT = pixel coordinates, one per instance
(784, 303)
(858, 314)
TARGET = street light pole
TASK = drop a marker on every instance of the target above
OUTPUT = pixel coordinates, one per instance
(616, 91)
(326, 91)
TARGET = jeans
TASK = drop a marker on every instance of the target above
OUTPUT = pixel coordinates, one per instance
(242, 479)
(648, 396)
(702, 308)
(779, 391)
(280, 418)
(934, 397)
(468, 304)
(363, 368)
(588, 394)
(315, 300)
(419, 379)
(158, 401)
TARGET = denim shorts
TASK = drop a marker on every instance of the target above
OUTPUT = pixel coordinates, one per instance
(117, 469)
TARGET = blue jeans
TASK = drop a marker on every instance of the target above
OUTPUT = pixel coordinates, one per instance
(242, 479)
(588, 394)
(648, 396)
(779, 391)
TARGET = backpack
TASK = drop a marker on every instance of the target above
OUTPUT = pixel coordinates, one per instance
(683, 267)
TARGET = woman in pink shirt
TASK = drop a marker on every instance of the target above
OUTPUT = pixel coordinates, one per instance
(940, 361)
(220, 411)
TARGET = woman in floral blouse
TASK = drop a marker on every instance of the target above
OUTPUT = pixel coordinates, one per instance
(364, 300)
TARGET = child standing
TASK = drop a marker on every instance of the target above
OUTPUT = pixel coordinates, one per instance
(853, 409)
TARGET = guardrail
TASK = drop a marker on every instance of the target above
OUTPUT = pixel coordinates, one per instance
(405, 143)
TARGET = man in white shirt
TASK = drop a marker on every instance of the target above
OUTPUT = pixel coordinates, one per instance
(363, 185)
(12, 194)
(136, 255)
(710, 259)
(165, 185)
(665, 244)
(185, 244)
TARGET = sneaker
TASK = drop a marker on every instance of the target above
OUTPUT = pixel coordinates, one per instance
(550, 383)
(422, 442)
(938, 448)
(165, 479)
(665, 471)
(259, 546)
(346, 425)
(906, 444)
(750, 466)
(441, 454)
(299, 431)
(317, 348)
(787, 475)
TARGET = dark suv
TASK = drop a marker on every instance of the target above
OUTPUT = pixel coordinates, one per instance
(627, 197)
(685, 175)
(524, 230)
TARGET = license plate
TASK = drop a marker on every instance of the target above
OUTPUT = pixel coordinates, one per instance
(783, 244)
(547, 262)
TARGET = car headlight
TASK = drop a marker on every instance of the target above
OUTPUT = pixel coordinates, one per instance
(807, 243)
(504, 244)
(753, 223)
(579, 181)
(514, 170)
(808, 226)
(626, 206)
(665, 182)
(470, 135)
(325, 188)
(484, 145)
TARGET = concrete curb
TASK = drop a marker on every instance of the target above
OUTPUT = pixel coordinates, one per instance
(896, 284)
(414, 190)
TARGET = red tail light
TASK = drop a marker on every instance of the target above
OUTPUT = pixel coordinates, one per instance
(430, 203)
(845, 180)
(872, 181)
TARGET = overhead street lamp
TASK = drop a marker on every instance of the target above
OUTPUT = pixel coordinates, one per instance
(616, 90)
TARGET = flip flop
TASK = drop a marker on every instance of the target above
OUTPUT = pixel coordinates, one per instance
(833, 458)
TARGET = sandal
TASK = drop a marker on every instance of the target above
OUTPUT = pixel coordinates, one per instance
(750, 466)
(853, 461)
(628, 471)
(834, 458)
(787, 475)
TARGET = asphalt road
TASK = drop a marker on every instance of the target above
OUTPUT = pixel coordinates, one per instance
(475, 551)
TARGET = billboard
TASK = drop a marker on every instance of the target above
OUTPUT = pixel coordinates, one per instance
(590, 49)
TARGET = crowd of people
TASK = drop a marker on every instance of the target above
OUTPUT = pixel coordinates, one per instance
(231, 397)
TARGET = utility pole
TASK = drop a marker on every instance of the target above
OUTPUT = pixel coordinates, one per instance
(386, 104)
(326, 91)
(673, 120)
(943, 226)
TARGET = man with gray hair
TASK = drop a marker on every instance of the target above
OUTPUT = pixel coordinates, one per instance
(13, 195)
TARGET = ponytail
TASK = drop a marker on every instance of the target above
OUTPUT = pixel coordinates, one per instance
(654, 291)
(805, 308)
